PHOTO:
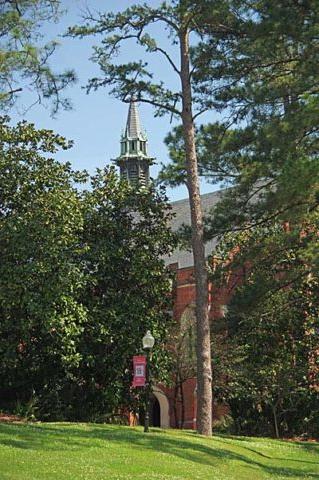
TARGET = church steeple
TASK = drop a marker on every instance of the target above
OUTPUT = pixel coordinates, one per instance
(134, 161)
(133, 124)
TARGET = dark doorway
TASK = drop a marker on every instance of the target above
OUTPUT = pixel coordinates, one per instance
(155, 413)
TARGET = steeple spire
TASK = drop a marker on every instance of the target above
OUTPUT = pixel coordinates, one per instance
(133, 124)
(133, 161)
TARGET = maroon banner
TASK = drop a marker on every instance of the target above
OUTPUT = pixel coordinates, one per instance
(139, 371)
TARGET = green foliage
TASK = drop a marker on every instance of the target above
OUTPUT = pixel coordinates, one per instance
(27, 410)
(268, 153)
(261, 75)
(81, 280)
(269, 361)
(128, 288)
(40, 277)
(23, 57)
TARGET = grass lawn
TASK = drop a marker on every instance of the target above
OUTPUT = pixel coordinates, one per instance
(65, 451)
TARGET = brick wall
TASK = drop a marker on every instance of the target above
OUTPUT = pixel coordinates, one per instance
(184, 296)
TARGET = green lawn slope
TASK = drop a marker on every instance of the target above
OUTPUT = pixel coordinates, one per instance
(95, 452)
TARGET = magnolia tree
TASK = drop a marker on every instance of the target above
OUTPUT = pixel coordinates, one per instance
(41, 220)
(126, 233)
(82, 278)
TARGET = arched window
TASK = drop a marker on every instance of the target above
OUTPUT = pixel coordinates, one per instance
(187, 339)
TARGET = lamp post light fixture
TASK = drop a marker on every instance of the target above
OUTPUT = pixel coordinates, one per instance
(148, 344)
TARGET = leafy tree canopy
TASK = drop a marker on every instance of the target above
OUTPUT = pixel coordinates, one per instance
(267, 363)
(40, 274)
(82, 278)
(128, 287)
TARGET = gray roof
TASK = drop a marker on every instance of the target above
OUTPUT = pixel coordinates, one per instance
(182, 217)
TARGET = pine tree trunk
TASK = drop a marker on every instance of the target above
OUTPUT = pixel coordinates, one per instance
(204, 374)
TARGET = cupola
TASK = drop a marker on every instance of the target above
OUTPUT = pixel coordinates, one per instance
(134, 161)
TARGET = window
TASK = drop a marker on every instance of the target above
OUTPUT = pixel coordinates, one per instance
(187, 338)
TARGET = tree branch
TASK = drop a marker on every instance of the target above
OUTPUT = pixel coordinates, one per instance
(159, 49)
(11, 92)
(199, 113)
(154, 104)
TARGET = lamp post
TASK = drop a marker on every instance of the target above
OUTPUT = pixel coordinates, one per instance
(148, 343)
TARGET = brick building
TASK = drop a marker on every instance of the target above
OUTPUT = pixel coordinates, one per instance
(171, 407)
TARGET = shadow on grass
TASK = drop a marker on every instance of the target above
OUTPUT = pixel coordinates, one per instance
(309, 448)
(63, 437)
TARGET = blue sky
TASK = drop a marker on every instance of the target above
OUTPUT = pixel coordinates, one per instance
(97, 119)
